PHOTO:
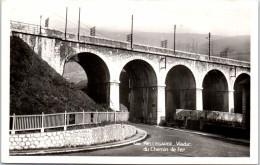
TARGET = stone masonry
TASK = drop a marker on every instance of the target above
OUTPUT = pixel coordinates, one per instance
(71, 138)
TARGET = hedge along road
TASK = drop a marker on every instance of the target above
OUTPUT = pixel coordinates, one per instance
(166, 142)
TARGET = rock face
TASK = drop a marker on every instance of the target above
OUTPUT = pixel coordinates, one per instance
(71, 138)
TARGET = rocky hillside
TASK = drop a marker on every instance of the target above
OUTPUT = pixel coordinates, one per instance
(35, 87)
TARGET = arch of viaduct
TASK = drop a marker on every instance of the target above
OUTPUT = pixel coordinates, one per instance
(151, 82)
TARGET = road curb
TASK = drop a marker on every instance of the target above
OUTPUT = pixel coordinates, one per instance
(207, 134)
(86, 148)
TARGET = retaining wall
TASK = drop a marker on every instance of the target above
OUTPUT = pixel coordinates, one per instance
(208, 115)
(70, 138)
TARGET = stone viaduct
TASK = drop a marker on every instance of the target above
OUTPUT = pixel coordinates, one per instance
(151, 82)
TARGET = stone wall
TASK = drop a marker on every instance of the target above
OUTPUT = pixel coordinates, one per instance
(78, 137)
(49, 49)
(208, 115)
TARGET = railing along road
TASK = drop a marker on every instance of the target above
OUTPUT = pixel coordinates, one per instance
(57, 120)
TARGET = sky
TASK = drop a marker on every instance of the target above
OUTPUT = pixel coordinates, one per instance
(220, 17)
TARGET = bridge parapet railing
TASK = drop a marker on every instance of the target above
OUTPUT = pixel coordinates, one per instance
(189, 55)
(25, 27)
(168, 52)
(87, 39)
(229, 61)
(149, 49)
(35, 29)
(66, 119)
(104, 42)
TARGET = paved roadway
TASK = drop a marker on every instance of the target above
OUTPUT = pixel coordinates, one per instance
(162, 142)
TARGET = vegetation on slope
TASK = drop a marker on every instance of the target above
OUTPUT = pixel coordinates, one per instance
(35, 87)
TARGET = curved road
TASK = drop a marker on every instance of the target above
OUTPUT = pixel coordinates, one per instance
(163, 142)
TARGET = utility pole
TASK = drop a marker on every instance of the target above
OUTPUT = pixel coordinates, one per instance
(174, 39)
(79, 24)
(132, 32)
(209, 46)
(66, 22)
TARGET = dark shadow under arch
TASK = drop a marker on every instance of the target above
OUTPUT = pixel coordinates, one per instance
(180, 92)
(242, 97)
(98, 87)
(138, 91)
(215, 91)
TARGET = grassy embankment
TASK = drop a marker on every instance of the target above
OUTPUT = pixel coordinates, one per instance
(35, 87)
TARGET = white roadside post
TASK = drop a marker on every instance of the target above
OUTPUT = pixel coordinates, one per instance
(97, 116)
(13, 129)
(65, 121)
(83, 117)
(107, 115)
(42, 129)
(115, 116)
